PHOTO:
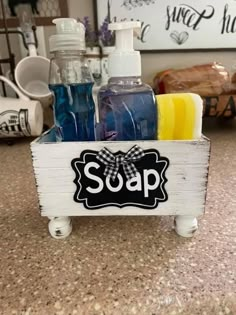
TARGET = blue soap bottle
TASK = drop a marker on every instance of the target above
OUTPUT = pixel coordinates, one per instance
(71, 82)
(127, 107)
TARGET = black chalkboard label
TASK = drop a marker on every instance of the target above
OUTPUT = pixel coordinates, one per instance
(96, 191)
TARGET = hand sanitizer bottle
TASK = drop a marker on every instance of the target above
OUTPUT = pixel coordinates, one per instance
(71, 83)
(127, 107)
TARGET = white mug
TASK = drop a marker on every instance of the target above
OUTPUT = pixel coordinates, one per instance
(31, 75)
(19, 117)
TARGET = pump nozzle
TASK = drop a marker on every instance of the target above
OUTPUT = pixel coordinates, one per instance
(124, 61)
(70, 35)
(125, 34)
(65, 25)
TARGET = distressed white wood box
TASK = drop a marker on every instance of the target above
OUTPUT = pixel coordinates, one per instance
(171, 180)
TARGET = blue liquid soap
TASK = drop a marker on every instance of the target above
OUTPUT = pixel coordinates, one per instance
(74, 111)
(71, 82)
(127, 111)
(127, 107)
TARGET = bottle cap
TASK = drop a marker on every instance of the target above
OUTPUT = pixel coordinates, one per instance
(70, 35)
(124, 61)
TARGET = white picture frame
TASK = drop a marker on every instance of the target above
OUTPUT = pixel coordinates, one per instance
(175, 24)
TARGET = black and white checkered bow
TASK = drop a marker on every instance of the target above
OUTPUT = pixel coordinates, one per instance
(113, 162)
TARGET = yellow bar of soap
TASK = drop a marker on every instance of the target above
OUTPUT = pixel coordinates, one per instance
(179, 116)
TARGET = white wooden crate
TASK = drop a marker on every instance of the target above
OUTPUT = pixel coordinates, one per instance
(179, 189)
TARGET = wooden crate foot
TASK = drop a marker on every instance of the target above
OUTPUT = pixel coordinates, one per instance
(185, 225)
(60, 227)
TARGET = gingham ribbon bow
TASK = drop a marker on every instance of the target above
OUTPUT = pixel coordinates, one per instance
(127, 160)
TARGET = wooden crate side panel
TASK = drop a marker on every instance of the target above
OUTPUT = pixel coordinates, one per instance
(186, 186)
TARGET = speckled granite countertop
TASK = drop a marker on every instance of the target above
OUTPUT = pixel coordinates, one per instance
(118, 265)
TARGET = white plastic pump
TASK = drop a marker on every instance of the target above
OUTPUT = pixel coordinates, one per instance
(70, 35)
(124, 61)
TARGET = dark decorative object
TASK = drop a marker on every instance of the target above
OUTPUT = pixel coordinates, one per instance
(10, 60)
(13, 3)
(43, 13)
(11, 57)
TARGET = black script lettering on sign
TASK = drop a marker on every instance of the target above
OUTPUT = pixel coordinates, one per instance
(96, 191)
(187, 15)
(228, 22)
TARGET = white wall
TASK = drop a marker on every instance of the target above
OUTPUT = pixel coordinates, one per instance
(80, 8)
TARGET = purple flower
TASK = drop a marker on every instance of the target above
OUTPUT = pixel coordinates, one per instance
(91, 37)
(106, 36)
(129, 4)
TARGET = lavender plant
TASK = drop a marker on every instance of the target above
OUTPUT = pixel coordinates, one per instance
(91, 36)
(106, 36)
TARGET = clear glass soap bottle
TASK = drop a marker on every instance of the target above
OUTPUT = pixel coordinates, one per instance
(71, 82)
(127, 107)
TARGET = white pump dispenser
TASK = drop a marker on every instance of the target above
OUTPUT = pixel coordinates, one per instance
(70, 35)
(124, 61)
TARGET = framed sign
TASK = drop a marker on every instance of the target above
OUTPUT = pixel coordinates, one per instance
(43, 11)
(176, 24)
